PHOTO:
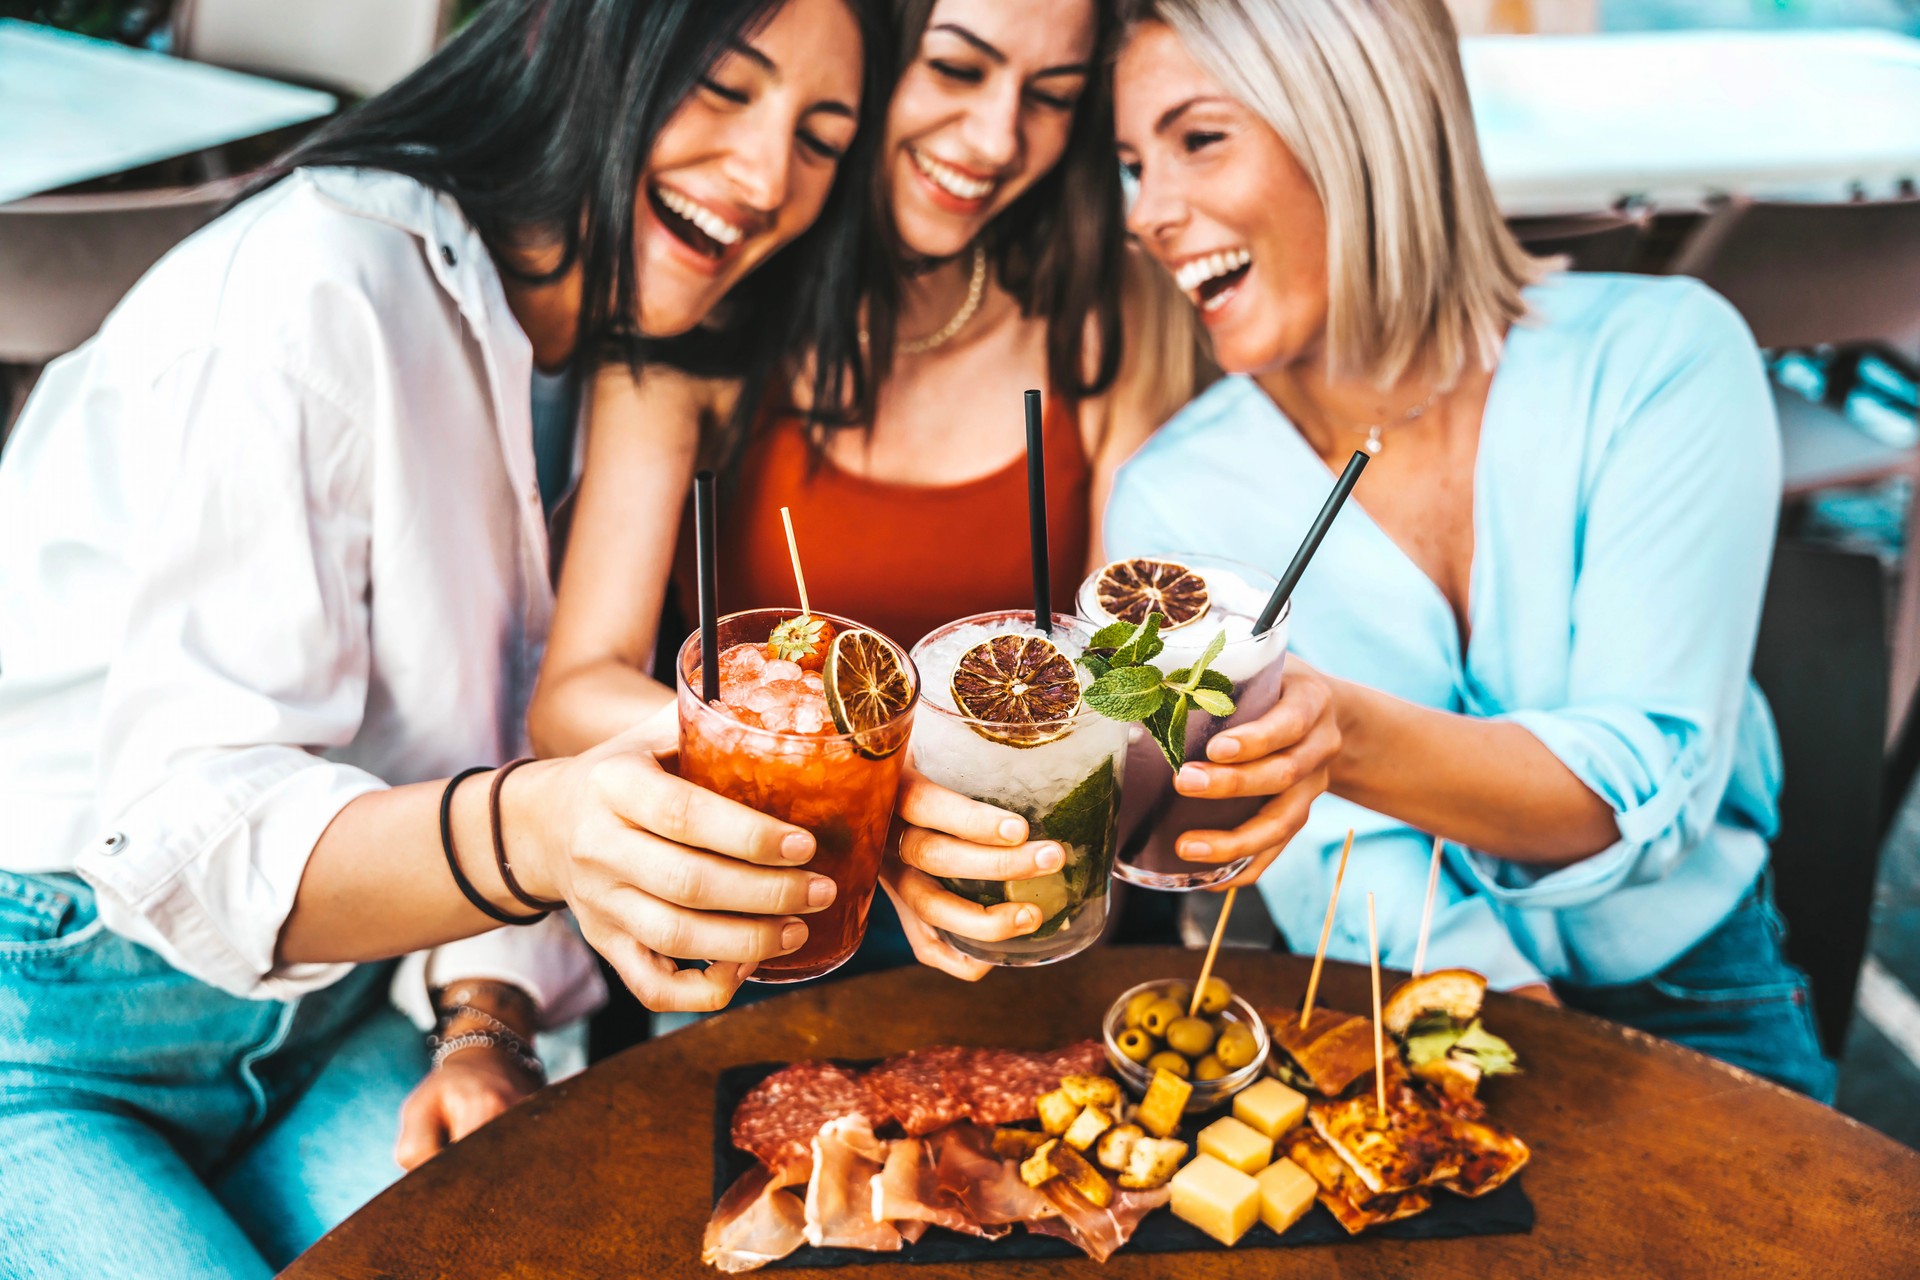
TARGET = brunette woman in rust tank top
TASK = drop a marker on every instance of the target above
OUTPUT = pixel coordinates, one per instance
(999, 204)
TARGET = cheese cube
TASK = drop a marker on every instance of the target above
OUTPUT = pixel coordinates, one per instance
(1286, 1193)
(1270, 1107)
(1240, 1145)
(1217, 1198)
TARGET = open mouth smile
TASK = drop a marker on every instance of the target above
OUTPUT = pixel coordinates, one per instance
(962, 186)
(1211, 278)
(694, 224)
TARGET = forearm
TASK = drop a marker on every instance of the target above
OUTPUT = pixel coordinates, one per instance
(1486, 784)
(578, 709)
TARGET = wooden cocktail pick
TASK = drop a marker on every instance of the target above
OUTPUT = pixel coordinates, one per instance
(1426, 914)
(1326, 931)
(793, 549)
(1213, 949)
(1379, 1037)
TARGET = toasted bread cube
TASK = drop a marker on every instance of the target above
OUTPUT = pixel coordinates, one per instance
(1017, 1144)
(1116, 1146)
(1166, 1100)
(1270, 1107)
(1057, 1111)
(1087, 1128)
(1038, 1167)
(1151, 1162)
(1217, 1198)
(1072, 1168)
(1240, 1145)
(1093, 1091)
(1286, 1193)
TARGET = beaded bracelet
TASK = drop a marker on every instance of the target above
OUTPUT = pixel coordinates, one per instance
(512, 1045)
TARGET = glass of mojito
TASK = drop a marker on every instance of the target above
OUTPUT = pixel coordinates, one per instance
(1003, 722)
(1199, 598)
(808, 728)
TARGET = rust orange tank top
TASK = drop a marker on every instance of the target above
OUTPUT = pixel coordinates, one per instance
(900, 558)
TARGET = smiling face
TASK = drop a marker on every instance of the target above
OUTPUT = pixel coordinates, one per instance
(746, 162)
(981, 114)
(1223, 205)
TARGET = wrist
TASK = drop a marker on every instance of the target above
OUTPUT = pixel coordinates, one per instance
(473, 1004)
(529, 827)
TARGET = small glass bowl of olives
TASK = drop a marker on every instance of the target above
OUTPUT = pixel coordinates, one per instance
(1220, 1050)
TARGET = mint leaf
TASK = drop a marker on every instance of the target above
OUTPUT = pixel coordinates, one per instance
(1083, 818)
(1213, 680)
(1212, 702)
(1168, 726)
(1214, 647)
(1094, 663)
(1112, 636)
(1126, 693)
(1145, 643)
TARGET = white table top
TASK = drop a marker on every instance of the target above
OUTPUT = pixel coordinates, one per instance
(72, 108)
(1574, 123)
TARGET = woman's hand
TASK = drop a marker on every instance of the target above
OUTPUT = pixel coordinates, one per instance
(942, 833)
(470, 1088)
(1284, 754)
(658, 869)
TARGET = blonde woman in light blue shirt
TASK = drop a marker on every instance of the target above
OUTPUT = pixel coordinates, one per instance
(1539, 611)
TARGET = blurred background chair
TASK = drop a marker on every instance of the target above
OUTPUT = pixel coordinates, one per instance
(1605, 241)
(356, 46)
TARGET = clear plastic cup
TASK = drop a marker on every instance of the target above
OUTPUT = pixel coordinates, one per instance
(840, 788)
(1068, 789)
(1154, 814)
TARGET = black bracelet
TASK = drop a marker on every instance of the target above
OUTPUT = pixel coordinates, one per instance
(480, 904)
(542, 905)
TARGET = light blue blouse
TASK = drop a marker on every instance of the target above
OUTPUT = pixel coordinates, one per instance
(1625, 496)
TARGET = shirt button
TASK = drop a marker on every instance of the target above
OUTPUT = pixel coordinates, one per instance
(448, 256)
(113, 844)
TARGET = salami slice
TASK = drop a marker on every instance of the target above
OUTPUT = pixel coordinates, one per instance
(922, 1089)
(776, 1122)
(1002, 1086)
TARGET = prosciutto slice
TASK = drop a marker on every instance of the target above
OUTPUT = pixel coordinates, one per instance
(1095, 1231)
(839, 1206)
(987, 1186)
(757, 1221)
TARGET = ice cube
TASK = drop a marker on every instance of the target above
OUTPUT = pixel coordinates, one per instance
(810, 717)
(780, 669)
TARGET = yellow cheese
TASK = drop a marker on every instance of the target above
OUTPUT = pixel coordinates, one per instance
(1286, 1193)
(1240, 1145)
(1270, 1107)
(1217, 1198)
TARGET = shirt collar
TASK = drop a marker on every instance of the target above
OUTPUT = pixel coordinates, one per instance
(455, 251)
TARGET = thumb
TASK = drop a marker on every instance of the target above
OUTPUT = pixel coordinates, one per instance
(423, 1128)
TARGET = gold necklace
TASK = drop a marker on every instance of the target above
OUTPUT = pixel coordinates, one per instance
(976, 289)
(1374, 443)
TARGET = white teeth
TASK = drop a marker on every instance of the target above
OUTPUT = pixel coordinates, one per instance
(1200, 270)
(700, 216)
(949, 179)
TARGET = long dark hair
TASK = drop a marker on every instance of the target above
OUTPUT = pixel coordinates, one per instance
(538, 118)
(1059, 249)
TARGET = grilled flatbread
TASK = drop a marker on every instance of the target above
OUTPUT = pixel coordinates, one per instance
(1411, 1145)
(1346, 1197)
(1489, 1155)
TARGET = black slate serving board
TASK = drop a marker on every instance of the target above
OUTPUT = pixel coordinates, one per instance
(1503, 1212)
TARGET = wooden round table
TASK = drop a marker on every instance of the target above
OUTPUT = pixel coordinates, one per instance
(1649, 1160)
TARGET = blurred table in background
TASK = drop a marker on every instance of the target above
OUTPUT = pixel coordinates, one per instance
(72, 108)
(1570, 124)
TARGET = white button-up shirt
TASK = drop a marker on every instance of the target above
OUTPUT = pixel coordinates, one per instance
(268, 542)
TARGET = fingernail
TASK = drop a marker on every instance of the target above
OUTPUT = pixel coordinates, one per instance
(793, 935)
(1196, 849)
(1192, 776)
(820, 892)
(797, 847)
(1224, 748)
(1012, 829)
(1051, 858)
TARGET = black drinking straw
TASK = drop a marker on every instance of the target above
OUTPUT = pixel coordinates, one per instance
(705, 554)
(1037, 516)
(1283, 591)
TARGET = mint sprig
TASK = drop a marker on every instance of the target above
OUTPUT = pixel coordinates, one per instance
(1125, 687)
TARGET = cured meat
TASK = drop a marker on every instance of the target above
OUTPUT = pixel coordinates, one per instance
(921, 1089)
(988, 1186)
(1002, 1086)
(757, 1221)
(910, 1189)
(1095, 1231)
(777, 1121)
(839, 1207)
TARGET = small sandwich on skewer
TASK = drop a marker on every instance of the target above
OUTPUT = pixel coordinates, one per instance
(1436, 1019)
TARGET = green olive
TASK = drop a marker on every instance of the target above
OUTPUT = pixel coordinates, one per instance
(1215, 996)
(1159, 1015)
(1135, 1043)
(1137, 1008)
(1237, 1046)
(1191, 1036)
(1168, 1060)
(1209, 1068)
(1181, 993)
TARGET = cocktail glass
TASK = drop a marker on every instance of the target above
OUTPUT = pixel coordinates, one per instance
(793, 764)
(1154, 814)
(1067, 788)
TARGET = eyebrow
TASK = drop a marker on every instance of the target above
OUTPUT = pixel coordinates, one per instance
(831, 107)
(1171, 115)
(752, 54)
(988, 51)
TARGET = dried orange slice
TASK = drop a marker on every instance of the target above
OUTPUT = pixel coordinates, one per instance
(1021, 689)
(1129, 590)
(867, 689)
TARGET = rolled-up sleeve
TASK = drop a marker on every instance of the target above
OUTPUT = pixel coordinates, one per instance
(245, 660)
(1674, 541)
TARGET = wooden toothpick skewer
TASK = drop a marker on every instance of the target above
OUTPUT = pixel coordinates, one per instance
(1326, 931)
(793, 549)
(1426, 914)
(1379, 1039)
(1213, 949)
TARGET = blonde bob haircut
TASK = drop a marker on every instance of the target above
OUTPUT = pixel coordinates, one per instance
(1370, 97)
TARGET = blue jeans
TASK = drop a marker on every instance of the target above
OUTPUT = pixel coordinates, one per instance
(154, 1127)
(1733, 997)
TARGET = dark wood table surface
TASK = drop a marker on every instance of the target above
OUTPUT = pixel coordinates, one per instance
(1649, 1160)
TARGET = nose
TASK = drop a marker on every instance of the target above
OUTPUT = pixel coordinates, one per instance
(991, 129)
(1157, 211)
(759, 163)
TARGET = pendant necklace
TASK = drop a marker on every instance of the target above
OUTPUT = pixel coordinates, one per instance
(1374, 442)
